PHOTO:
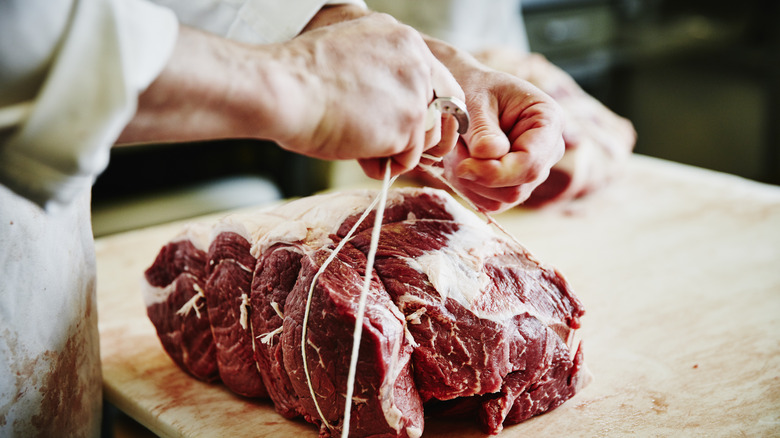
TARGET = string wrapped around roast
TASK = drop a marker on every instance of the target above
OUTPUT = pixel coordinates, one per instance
(458, 319)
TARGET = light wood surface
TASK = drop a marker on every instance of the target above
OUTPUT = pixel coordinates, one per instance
(679, 271)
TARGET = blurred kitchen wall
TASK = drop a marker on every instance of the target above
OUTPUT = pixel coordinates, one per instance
(700, 80)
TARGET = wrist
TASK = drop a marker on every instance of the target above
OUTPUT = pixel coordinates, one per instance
(212, 88)
(280, 94)
(457, 61)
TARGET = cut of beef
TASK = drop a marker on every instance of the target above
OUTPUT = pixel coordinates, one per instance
(175, 303)
(230, 267)
(458, 319)
(274, 278)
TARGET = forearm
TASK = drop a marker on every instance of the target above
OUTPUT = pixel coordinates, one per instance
(212, 88)
(315, 94)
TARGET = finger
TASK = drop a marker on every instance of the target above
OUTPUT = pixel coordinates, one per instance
(442, 81)
(375, 167)
(506, 195)
(540, 148)
(409, 158)
(512, 169)
(484, 203)
(372, 167)
(433, 136)
(485, 138)
(539, 132)
(448, 137)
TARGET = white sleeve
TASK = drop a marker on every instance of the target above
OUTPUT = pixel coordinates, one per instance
(75, 85)
(467, 24)
(250, 21)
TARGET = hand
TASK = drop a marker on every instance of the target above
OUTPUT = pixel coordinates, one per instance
(354, 90)
(366, 87)
(598, 141)
(514, 139)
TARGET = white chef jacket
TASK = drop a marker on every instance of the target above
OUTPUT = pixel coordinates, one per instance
(470, 25)
(70, 75)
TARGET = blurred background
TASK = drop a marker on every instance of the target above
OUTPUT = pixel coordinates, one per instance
(700, 79)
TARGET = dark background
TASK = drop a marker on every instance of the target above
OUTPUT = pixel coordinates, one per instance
(700, 79)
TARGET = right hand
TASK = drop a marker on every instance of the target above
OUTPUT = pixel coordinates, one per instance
(360, 90)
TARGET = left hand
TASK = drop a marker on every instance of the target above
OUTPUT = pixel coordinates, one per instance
(515, 135)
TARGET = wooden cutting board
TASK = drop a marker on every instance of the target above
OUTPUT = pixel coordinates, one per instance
(678, 268)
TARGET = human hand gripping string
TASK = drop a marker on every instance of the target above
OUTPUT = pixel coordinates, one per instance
(438, 105)
(438, 173)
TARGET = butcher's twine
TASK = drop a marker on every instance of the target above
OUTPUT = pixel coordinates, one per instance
(380, 213)
(438, 173)
(386, 183)
(381, 199)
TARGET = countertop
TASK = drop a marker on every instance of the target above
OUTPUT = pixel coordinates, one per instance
(678, 269)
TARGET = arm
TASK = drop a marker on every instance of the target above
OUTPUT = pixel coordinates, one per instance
(357, 89)
(516, 130)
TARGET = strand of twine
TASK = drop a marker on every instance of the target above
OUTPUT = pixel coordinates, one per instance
(437, 173)
(339, 247)
(380, 212)
(357, 334)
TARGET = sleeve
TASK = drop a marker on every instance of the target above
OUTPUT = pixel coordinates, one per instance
(250, 21)
(76, 87)
(466, 24)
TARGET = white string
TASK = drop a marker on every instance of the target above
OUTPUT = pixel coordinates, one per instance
(380, 212)
(311, 292)
(382, 199)
(437, 173)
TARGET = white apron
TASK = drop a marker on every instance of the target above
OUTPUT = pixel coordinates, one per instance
(76, 68)
(50, 381)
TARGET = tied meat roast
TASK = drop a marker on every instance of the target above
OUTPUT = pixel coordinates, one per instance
(459, 320)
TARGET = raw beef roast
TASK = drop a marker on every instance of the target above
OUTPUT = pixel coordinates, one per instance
(459, 320)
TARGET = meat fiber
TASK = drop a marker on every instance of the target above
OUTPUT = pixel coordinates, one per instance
(458, 320)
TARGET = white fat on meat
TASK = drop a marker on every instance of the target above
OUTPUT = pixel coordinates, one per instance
(457, 272)
(308, 222)
(198, 234)
(304, 221)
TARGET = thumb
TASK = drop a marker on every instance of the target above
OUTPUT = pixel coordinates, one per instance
(485, 139)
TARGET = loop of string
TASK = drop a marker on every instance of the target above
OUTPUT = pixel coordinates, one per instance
(380, 212)
(386, 183)
(381, 199)
(438, 173)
